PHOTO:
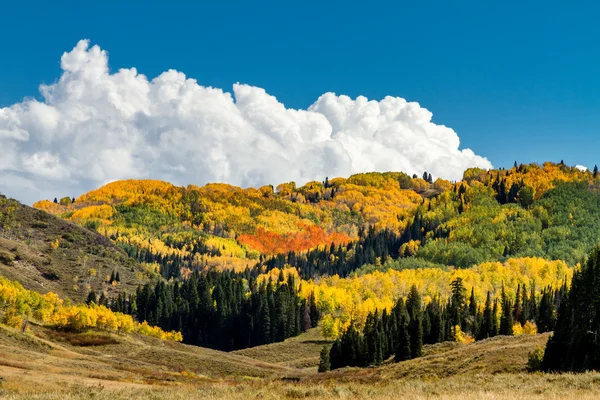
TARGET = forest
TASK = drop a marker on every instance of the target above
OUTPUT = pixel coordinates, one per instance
(381, 262)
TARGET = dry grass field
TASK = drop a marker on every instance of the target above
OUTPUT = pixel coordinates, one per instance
(45, 364)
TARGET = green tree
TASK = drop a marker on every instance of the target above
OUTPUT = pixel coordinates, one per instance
(324, 363)
(414, 309)
(525, 196)
(403, 349)
(487, 325)
(91, 298)
(506, 319)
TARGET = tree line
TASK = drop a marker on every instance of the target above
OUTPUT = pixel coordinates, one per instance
(575, 343)
(223, 310)
(410, 324)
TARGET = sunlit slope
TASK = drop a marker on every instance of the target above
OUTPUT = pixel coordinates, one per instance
(48, 254)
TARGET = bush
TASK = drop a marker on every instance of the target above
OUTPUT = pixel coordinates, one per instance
(6, 258)
(534, 360)
(92, 225)
(51, 275)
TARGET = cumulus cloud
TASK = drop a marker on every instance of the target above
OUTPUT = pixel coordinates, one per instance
(581, 167)
(94, 126)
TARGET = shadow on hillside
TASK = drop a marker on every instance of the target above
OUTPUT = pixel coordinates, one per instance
(323, 341)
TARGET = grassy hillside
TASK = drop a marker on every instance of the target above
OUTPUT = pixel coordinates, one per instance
(298, 352)
(68, 357)
(48, 254)
(45, 365)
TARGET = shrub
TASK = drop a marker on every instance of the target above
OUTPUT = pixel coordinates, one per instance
(92, 225)
(51, 275)
(6, 258)
(534, 360)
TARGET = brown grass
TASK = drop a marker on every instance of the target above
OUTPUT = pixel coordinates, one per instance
(82, 339)
(492, 387)
(298, 352)
(46, 365)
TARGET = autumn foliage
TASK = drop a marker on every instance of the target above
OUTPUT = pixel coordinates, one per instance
(19, 304)
(267, 242)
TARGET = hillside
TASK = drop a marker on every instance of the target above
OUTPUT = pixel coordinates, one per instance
(549, 211)
(48, 254)
(114, 360)
(43, 365)
(301, 352)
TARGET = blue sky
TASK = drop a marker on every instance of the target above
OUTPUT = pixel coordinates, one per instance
(515, 80)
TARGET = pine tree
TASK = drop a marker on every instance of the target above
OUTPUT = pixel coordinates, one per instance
(545, 318)
(575, 344)
(473, 314)
(413, 307)
(458, 303)
(403, 349)
(91, 298)
(506, 319)
(518, 307)
(494, 325)
(335, 355)
(103, 301)
(486, 328)
(315, 314)
(525, 306)
(595, 174)
(117, 277)
(306, 323)
(324, 363)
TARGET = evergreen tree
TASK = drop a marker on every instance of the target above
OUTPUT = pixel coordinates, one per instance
(413, 307)
(486, 328)
(315, 314)
(324, 364)
(506, 319)
(517, 310)
(575, 344)
(458, 303)
(403, 350)
(91, 298)
(103, 301)
(494, 325)
(473, 322)
(546, 316)
(595, 174)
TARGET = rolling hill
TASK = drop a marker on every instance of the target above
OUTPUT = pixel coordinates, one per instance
(49, 254)
(44, 364)
(231, 268)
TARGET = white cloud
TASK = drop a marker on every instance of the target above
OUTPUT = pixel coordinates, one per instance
(94, 126)
(581, 167)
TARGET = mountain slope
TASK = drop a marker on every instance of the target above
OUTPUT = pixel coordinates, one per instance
(48, 254)
(547, 211)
